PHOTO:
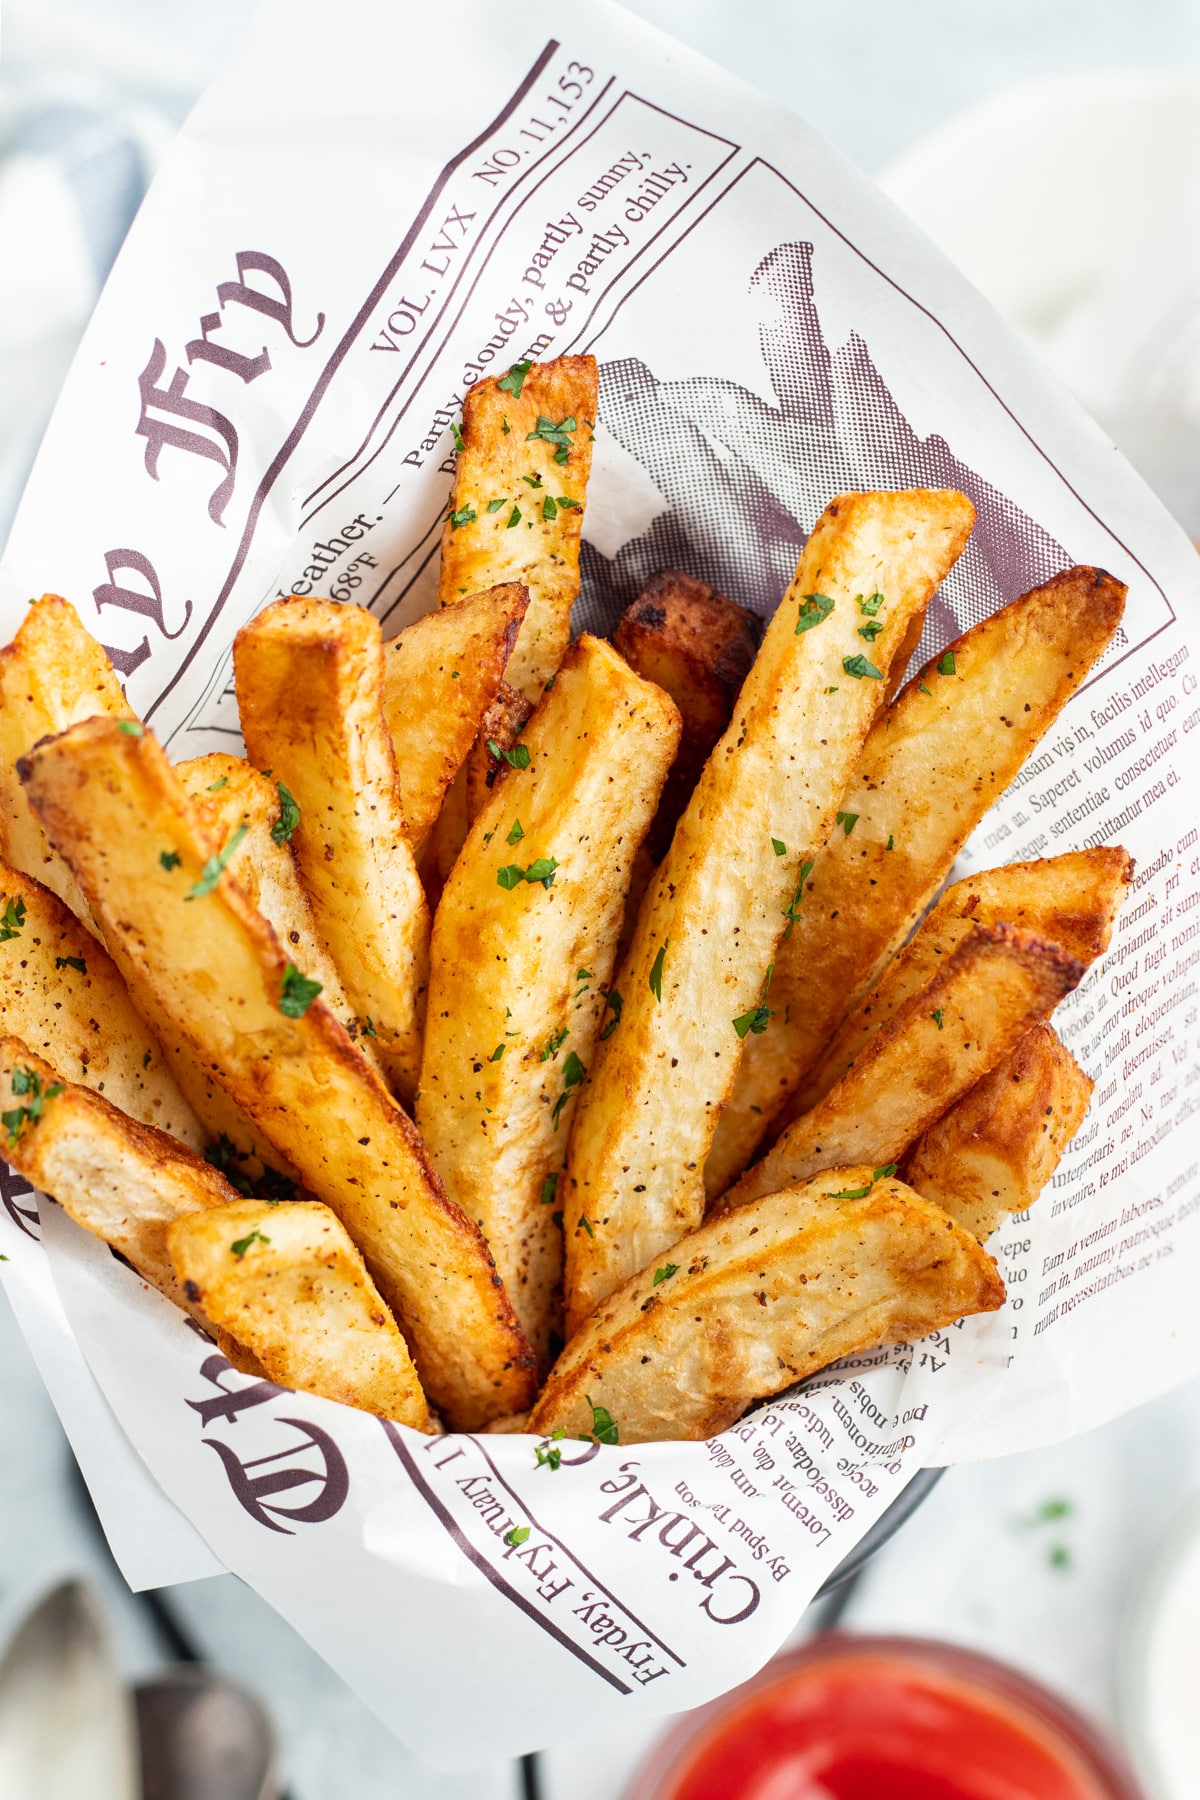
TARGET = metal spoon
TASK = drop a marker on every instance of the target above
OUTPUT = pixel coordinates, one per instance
(66, 1721)
(203, 1737)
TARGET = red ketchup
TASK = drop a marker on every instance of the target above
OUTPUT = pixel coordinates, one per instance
(848, 1719)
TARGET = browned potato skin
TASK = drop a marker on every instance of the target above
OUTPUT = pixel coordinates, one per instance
(504, 965)
(299, 1298)
(699, 646)
(762, 1298)
(229, 793)
(119, 1179)
(719, 902)
(440, 675)
(542, 554)
(1072, 899)
(929, 770)
(52, 674)
(82, 1022)
(309, 677)
(997, 985)
(993, 1153)
(110, 802)
(502, 724)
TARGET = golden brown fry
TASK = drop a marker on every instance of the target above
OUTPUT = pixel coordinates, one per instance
(520, 968)
(997, 985)
(61, 993)
(758, 1299)
(52, 674)
(439, 677)
(527, 445)
(309, 681)
(123, 1181)
(1072, 900)
(111, 803)
(287, 1283)
(502, 725)
(928, 772)
(692, 984)
(229, 794)
(994, 1152)
(699, 646)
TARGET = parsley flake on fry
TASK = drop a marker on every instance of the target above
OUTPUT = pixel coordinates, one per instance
(12, 919)
(513, 382)
(860, 668)
(71, 962)
(549, 1189)
(814, 610)
(466, 515)
(847, 821)
(289, 815)
(516, 832)
(131, 727)
(554, 1044)
(27, 1081)
(215, 867)
(946, 664)
(240, 1246)
(656, 971)
(604, 1426)
(169, 859)
(297, 993)
(778, 846)
(665, 1273)
(494, 506)
(613, 1002)
(456, 434)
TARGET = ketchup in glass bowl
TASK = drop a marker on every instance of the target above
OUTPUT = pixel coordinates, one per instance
(855, 1718)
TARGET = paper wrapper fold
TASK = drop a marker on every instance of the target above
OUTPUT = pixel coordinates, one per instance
(371, 209)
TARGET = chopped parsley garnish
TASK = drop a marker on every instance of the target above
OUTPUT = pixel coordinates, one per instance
(510, 876)
(853, 1193)
(870, 606)
(214, 787)
(498, 1052)
(549, 1189)
(551, 433)
(505, 426)
(289, 815)
(656, 971)
(665, 1273)
(946, 663)
(513, 382)
(871, 630)
(516, 758)
(882, 1173)
(514, 517)
(585, 1224)
(466, 515)
(613, 1003)
(241, 1245)
(548, 1459)
(516, 1537)
(534, 481)
(297, 993)
(223, 1155)
(758, 1018)
(891, 843)
(779, 847)
(814, 610)
(516, 832)
(554, 1044)
(368, 1028)
(71, 962)
(924, 690)
(858, 666)
(583, 975)
(275, 1187)
(573, 1074)
(215, 867)
(12, 919)
(847, 821)
(27, 1082)
(604, 1426)
(131, 727)
(790, 913)
(169, 859)
(937, 1017)
(542, 870)
(494, 506)
(456, 434)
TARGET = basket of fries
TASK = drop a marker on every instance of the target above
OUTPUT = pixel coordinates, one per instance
(573, 1014)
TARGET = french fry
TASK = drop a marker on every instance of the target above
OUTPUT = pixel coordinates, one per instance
(286, 1282)
(62, 995)
(930, 768)
(1071, 899)
(52, 674)
(993, 1153)
(699, 646)
(755, 1301)
(439, 678)
(516, 508)
(229, 794)
(309, 681)
(521, 961)
(694, 981)
(122, 1180)
(996, 986)
(110, 802)
(501, 726)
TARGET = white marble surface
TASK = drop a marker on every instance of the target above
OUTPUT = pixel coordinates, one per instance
(975, 1565)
